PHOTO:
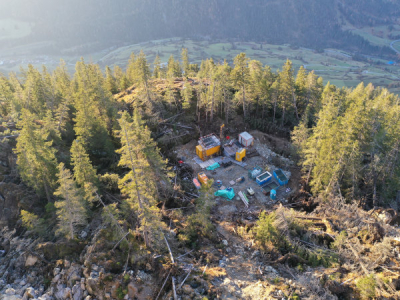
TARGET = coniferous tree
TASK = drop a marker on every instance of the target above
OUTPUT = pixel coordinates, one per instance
(140, 156)
(71, 211)
(110, 81)
(94, 111)
(240, 76)
(185, 61)
(157, 67)
(286, 91)
(36, 157)
(84, 173)
(6, 96)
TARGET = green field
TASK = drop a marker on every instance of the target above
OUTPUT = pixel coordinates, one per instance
(333, 65)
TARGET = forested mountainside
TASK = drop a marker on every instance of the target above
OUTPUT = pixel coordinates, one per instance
(308, 23)
(97, 196)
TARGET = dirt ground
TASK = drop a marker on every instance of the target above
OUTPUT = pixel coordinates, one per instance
(231, 173)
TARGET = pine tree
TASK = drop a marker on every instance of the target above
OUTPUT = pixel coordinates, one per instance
(286, 92)
(94, 110)
(6, 96)
(36, 158)
(71, 211)
(187, 95)
(84, 173)
(240, 76)
(110, 82)
(62, 83)
(185, 61)
(130, 69)
(157, 67)
(141, 157)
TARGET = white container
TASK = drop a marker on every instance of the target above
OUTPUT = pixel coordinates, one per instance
(246, 139)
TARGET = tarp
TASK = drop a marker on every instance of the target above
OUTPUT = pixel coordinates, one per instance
(213, 166)
(228, 193)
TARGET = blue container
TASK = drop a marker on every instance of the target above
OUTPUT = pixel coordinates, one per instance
(264, 178)
(280, 177)
(273, 194)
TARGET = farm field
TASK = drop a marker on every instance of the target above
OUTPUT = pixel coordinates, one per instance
(335, 66)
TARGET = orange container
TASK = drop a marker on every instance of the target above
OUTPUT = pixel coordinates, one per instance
(202, 177)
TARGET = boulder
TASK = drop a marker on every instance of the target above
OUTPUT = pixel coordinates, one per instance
(30, 261)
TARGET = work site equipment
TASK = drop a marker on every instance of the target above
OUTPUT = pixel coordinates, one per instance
(244, 199)
(240, 154)
(208, 145)
(228, 193)
(246, 139)
(250, 191)
(196, 183)
(280, 177)
(264, 178)
(253, 173)
(202, 178)
(240, 179)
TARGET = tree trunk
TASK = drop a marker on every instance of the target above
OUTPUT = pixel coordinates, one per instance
(227, 107)
(295, 105)
(275, 101)
(244, 102)
(46, 188)
(374, 179)
(283, 115)
(212, 105)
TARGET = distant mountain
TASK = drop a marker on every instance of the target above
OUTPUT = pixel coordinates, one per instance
(101, 23)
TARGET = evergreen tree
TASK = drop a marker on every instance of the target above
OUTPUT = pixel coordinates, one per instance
(130, 69)
(140, 156)
(157, 67)
(185, 61)
(6, 96)
(240, 76)
(94, 111)
(36, 158)
(187, 95)
(71, 211)
(84, 173)
(286, 91)
(110, 81)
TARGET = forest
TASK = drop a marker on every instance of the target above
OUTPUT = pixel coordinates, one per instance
(87, 146)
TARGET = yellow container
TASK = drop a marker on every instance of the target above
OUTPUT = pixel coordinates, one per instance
(213, 150)
(240, 154)
(199, 152)
(205, 154)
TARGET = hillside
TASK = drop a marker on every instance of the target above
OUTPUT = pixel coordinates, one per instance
(92, 25)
